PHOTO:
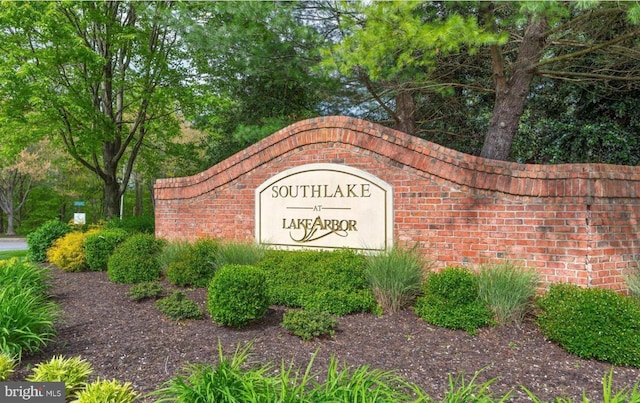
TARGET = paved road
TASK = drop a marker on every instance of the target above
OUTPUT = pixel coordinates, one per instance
(13, 244)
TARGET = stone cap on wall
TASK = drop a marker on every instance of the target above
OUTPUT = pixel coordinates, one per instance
(528, 180)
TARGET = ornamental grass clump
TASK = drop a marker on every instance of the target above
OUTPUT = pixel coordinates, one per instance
(395, 277)
(237, 295)
(592, 323)
(74, 372)
(7, 365)
(242, 253)
(103, 391)
(27, 315)
(451, 300)
(508, 290)
(632, 279)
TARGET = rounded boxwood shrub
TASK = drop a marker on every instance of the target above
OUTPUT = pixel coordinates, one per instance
(592, 323)
(237, 295)
(135, 260)
(451, 300)
(42, 238)
(194, 265)
(99, 247)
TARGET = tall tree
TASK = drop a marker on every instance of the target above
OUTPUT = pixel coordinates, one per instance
(255, 70)
(104, 74)
(419, 43)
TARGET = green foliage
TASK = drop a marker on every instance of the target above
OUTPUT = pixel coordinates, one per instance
(27, 316)
(624, 395)
(102, 391)
(309, 324)
(632, 279)
(395, 277)
(229, 381)
(451, 300)
(74, 372)
(361, 384)
(7, 365)
(507, 290)
(135, 260)
(178, 306)
(170, 253)
(25, 275)
(41, 239)
(146, 290)
(193, 265)
(233, 380)
(68, 253)
(99, 247)
(318, 280)
(238, 295)
(592, 323)
(241, 253)
(133, 224)
(460, 390)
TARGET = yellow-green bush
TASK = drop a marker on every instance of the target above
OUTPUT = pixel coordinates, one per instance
(68, 252)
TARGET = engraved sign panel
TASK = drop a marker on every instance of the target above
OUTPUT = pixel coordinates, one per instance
(325, 206)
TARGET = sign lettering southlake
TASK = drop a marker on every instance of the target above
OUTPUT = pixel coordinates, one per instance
(325, 206)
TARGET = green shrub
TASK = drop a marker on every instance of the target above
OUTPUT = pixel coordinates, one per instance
(41, 239)
(194, 265)
(396, 277)
(177, 306)
(67, 252)
(102, 391)
(241, 253)
(333, 281)
(74, 372)
(592, 323)
(237, 295)
(451, 300)
(134, 224)
(135, 260)
(7, 364)
(146, 290)
(309, 324)
(99, 247)
(507, 290)
(27, 319)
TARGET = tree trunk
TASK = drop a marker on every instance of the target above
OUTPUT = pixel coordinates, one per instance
(405, 112)
(511, 93)
(111, 199)
(10, 223)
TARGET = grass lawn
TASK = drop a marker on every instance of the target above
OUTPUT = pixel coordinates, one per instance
(21, 254)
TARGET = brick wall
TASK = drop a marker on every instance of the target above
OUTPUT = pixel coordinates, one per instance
(573, 223)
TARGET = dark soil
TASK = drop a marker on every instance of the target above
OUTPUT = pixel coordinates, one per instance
(134, 342)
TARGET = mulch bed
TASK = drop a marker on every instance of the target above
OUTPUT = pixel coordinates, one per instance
(134, 342)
